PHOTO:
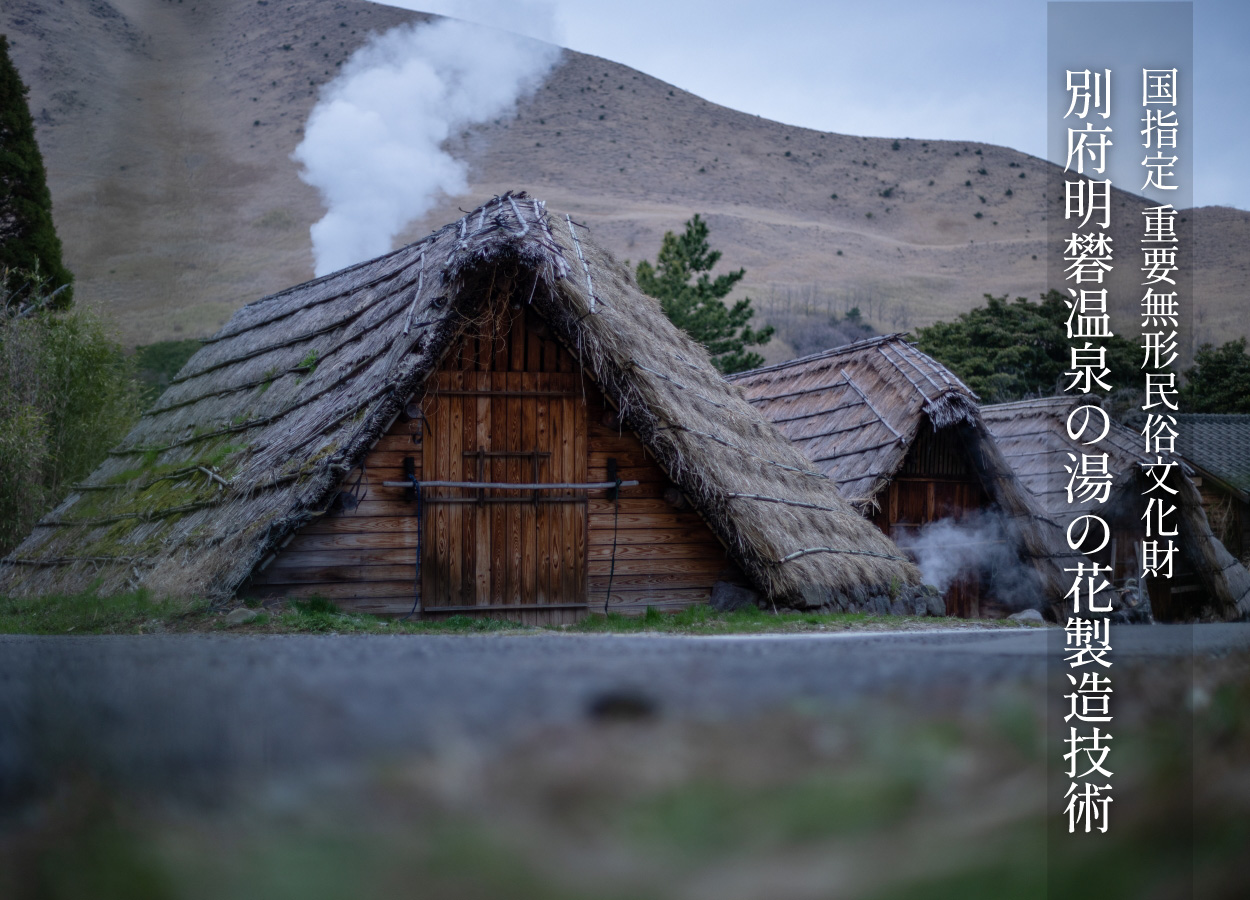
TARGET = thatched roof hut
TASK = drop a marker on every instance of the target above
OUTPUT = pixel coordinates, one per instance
(1034, 438)
(288, 423)
(1217, 446)
(903, 438)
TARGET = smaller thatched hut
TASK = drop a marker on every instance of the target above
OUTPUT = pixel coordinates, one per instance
(491, 421)
(1218, 449)
(1206, 580)
(903, 438)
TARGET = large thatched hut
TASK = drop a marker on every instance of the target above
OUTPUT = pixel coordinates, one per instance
(1206, 579)
(330, 440)
(903, 438)
(1217, 447)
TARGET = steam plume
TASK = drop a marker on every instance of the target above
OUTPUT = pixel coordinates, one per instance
(978, 544)
(373, 143)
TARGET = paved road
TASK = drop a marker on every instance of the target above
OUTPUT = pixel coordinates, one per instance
(186, 710)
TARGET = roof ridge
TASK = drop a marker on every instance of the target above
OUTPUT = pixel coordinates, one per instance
(897, 336)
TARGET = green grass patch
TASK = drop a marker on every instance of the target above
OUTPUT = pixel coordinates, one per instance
(319, 615)
(90, 613)
(704, 619)
(138, 612)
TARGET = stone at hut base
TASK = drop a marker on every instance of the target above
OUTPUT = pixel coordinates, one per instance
(241, 616)
(728, 597)
(1028, 616)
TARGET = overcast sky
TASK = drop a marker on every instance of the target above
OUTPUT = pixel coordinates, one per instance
(947, 69)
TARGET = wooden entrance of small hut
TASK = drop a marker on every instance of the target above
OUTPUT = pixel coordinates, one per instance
(935, 483)
(498, 549)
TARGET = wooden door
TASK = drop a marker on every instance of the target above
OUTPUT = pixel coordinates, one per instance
(915, 501)
(507, 550)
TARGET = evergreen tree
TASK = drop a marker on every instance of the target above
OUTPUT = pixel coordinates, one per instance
(692, 299)
(1219, 381)
(28, 240)
(1008, 351)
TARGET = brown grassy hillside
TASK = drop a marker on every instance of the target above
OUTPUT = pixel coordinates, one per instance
(167, 129)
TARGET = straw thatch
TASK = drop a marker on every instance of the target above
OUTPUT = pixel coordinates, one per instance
(856, 411)
(255, 435)
(1034, 438)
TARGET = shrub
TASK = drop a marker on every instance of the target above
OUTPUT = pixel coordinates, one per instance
(66, 396)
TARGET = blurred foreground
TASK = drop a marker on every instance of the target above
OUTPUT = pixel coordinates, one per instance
(636, 794)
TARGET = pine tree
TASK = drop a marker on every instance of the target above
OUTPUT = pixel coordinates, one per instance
(1011, 350)
(692, 299)
(28, 240)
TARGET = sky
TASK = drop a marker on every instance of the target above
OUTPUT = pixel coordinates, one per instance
(940, 69)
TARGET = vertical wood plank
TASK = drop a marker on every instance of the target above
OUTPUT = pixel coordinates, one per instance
(516, 472)
(500, 345)
(581, 453)
(481, 534)
(499, 472)
(568, 533)
(529, 514)
(533, 345)
(516, 337)
(440, 573)
(542, 581)
(456, 512)
(559, 511)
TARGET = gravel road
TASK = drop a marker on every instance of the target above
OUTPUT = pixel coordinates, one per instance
(184, 711)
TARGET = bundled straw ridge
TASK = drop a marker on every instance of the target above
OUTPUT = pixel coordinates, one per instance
(256, 434)
(1034, 439)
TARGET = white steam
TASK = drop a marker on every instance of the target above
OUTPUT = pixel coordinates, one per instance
(373, 145)
(976, 545)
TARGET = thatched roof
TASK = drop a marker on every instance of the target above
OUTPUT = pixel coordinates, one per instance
(856, 411)
(1034, 438)
(256, 433)
(1219, 445)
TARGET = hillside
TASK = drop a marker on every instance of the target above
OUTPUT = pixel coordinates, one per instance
(167, 129)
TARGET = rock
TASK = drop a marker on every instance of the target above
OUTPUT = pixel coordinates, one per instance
(728, 597)
(878, 605)
(1027, 616)
(811, 596)
(241, 616)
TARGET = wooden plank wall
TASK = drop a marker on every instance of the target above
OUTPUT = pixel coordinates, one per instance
(656, 550)
(665, 555)
(361, 557)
